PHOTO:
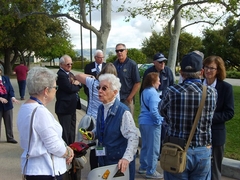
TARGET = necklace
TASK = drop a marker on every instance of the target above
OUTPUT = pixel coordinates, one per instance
(36, 99)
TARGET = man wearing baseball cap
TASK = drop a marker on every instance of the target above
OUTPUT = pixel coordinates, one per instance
(166, 79)
(165, 73)
(179, 106)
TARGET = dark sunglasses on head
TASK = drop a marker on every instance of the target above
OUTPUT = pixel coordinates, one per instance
(119, 50)
(104, 88)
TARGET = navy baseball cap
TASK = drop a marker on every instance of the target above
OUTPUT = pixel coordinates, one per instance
(159, 57)
(191, 62)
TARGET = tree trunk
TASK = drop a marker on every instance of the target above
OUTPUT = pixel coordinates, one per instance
(172, 56)
(7, 61)
(102, 35)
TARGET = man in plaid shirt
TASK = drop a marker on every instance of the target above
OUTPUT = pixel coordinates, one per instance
(179, 106)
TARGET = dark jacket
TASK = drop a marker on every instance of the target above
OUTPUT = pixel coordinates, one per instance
(91, 69)
(223, 112)
(10, 93)
(166, 78)
(66, 95)
(111, 137)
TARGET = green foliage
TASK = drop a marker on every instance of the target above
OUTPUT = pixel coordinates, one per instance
(224, 42)
(160, 42)
(233, 74)
(21, 35)
(132, 53)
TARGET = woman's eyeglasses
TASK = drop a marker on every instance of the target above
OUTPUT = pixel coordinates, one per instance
(209, 68)
(119, 50)
(104, 88)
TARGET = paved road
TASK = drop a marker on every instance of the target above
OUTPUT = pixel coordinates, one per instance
(10, 153)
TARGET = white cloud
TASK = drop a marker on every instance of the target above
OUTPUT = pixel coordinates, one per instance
(131, 33)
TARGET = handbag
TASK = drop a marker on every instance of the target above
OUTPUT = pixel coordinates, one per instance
(173, 157)
(27, 155)
(30, 135)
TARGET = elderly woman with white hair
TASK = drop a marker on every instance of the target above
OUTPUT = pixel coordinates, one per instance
(115, 128)
(45, 154)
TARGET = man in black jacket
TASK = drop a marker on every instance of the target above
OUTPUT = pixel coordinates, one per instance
(94, 68)
(67, 96)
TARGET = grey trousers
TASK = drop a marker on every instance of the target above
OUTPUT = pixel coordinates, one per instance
(7, 117)
(217, 155)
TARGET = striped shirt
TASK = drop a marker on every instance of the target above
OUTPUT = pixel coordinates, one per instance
(179, 106)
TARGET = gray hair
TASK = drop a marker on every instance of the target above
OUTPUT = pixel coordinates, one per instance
(121, 44)
(39, 78)
(112, 79)
(98, 51)
(63, 58)
(194, 75)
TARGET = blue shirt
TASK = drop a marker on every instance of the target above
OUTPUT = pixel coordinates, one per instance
(129, 75)
(166, 78)
(149, 108)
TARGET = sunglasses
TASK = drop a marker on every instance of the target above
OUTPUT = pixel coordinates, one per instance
(160, 62)
(84, 132)
(104, 88)
(69, 64)
(119, 50)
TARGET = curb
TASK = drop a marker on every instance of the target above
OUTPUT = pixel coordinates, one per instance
(231, 168)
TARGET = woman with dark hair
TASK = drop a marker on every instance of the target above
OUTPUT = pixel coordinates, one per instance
(214, 74)
(150, 126)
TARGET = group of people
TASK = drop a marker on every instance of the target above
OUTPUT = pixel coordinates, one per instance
(114, 126)
(177, 105)
(167, 109)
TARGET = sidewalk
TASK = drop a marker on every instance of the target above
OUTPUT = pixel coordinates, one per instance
(10, 153)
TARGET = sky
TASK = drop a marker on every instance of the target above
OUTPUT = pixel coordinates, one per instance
(130, 33)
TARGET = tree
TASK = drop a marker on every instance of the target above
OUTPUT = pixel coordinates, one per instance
(160, 42)
(172, 12)
(224, 42)
(133, 53)
(79, 11)
(22, 37)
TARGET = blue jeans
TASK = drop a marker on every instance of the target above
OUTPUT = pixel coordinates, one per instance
(150, 135)
(22, 87)
(198, 166)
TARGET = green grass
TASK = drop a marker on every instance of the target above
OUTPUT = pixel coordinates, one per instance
(232, 147)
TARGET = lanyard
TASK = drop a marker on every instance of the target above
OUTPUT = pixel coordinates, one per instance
(36, 99)
(102, 126)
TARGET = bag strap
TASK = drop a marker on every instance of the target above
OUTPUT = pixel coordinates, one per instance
(144, 102)
(30, 136)
(199, 112)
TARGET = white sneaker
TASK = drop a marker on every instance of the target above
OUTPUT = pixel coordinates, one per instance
(155, 175)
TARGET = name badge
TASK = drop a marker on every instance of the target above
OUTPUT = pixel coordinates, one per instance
(93, 70)
(100, 151)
